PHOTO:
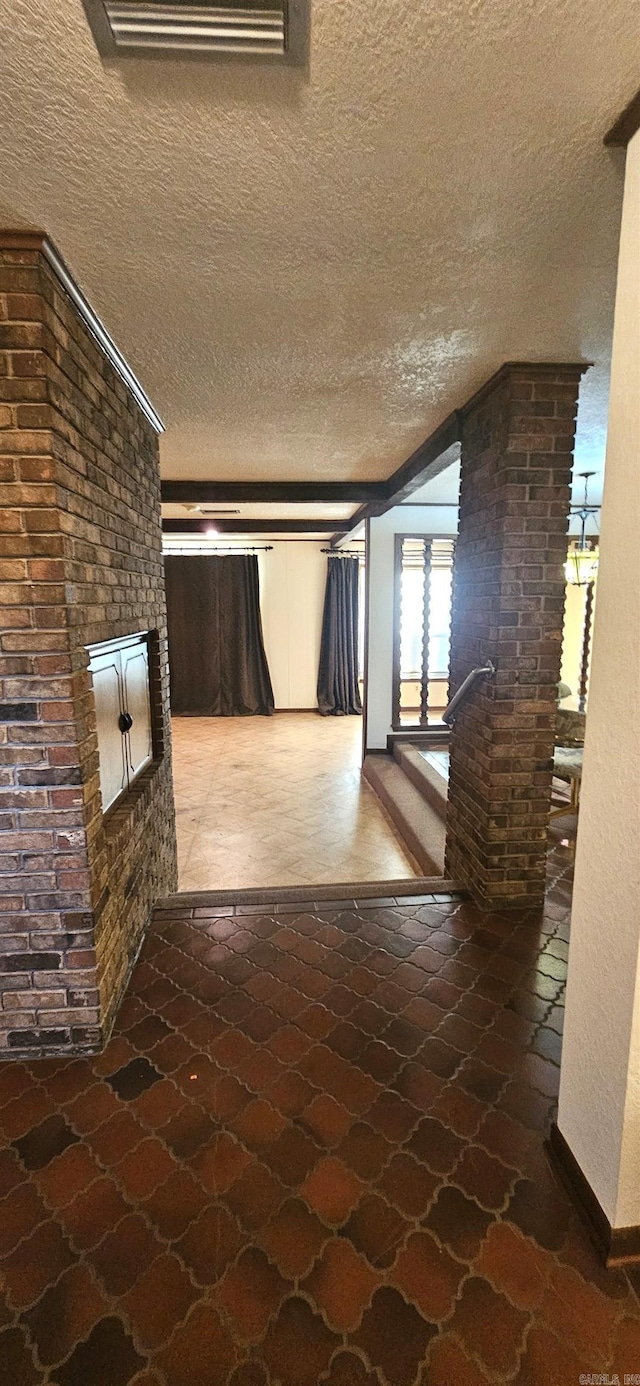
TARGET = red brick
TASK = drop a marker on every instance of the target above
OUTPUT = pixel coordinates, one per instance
(47, 487)
(515, 466)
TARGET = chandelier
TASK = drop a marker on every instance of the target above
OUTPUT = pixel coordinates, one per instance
(581, 566)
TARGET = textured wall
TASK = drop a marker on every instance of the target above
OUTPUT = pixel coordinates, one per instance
(599, 1111)
(508, 601)
(82, 562)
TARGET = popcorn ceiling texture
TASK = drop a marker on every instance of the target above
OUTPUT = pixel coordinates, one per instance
(308, 271)
(81, 562)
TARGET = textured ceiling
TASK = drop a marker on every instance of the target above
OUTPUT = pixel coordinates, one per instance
(308, 271)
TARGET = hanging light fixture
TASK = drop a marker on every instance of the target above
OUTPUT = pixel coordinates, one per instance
(581, 566)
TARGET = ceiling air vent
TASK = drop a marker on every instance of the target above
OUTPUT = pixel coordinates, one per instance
(271, 30)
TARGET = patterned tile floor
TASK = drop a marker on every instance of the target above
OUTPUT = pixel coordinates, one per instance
(290, 808)
(312, 1153)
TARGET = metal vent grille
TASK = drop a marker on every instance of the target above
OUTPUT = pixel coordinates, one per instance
(271, 30)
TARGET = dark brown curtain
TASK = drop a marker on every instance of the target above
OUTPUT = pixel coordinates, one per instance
(338, 690)
(217, 662)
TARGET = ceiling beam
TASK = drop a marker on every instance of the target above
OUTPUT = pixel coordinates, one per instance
(437, 452)
(441, 448)
(431, 458)
(240, 526)
(290, 492)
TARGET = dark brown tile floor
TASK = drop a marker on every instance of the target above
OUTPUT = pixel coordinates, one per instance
(312, 1153)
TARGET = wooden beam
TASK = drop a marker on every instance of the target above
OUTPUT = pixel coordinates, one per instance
(626, 125)
(427, 461)
(240, 526)
(274, 492)
(437, 452)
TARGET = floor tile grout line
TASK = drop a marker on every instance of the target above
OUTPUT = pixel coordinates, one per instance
(518, 980)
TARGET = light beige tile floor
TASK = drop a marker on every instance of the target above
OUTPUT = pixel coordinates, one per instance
(269, 801)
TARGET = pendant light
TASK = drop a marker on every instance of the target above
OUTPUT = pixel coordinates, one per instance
(581, 566)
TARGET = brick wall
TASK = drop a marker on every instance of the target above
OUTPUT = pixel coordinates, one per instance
(508, 602)
(81, 562)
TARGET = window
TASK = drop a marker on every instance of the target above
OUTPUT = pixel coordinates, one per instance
(120, 673)
(422, 621)
(440, 613)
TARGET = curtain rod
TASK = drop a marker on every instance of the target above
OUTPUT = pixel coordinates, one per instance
(344, 553)
(213, 548)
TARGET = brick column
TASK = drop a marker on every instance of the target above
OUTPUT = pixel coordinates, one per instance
(517, 453)
(81, 562)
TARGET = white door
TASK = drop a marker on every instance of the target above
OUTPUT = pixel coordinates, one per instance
(135, 676)
(107, 691)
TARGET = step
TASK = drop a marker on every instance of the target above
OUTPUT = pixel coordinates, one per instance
(432, 786)
(316, 896)
(420, 825)
(432, 737)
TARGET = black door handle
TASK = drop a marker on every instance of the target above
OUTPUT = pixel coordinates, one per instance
(125, 722)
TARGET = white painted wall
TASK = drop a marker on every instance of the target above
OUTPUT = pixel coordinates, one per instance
(599, 1111)
(402, 519)
(292, 585)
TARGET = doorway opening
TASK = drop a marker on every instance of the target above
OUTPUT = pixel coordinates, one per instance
(269, 801)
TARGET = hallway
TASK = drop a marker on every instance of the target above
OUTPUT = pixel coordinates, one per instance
(313, 1152)
(278, 801)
